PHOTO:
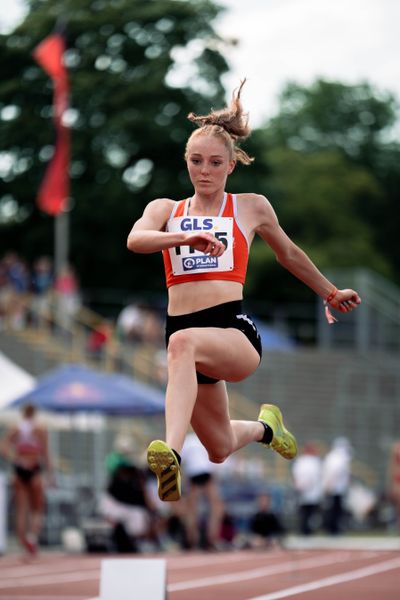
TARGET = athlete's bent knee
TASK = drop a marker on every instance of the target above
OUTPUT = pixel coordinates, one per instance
(219, 456)
(180, 344)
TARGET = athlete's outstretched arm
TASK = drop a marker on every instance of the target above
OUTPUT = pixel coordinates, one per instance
(295, 260)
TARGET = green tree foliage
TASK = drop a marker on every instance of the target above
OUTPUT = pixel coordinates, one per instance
(336, 173)
(136, 68)
(327, 161)
(329, 114)
(315, 196)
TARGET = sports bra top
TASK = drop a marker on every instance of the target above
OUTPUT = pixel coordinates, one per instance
(27, 440)
(183, 263)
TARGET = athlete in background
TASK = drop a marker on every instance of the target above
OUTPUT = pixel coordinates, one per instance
(26, 447)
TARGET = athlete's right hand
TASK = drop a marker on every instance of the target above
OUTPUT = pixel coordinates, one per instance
(205, 242)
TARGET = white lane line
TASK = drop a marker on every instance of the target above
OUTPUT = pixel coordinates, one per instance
(43, 569)
(333, 580)
(307, 563)
(188, 562)
(55, 578)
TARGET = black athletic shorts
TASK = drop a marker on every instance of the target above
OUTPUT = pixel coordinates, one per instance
(229, 314)
(201, 479)
(25, 475)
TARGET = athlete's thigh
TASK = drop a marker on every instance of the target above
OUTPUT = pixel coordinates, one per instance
(211, 420)
(193, 497)
(21, 493)
(36, 492)
(223, 353)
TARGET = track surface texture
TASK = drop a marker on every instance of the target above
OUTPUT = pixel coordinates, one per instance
(367, 572)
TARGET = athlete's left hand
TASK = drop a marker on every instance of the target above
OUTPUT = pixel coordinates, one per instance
(345, 300)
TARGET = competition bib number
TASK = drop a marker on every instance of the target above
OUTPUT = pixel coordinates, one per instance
(185, 259)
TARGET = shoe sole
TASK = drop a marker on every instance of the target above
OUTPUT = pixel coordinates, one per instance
(282, 451)
(163, 463)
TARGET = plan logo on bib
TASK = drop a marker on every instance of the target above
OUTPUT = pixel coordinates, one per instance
(192, 263)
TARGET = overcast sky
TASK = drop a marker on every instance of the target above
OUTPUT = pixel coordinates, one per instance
(345, 40)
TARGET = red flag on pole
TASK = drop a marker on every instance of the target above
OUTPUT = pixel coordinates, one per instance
(54, 189)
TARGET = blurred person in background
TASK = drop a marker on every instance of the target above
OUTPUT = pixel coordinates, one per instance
(42, 286)
(168, 522)
(394, 480)
(67, 294)
(336, 472)
(307, 478)
(228, 531)
(139, 323)
(202, 488)
(205, 240)
(265, 525)
(129, 323)
(125, 503)
(26, 447)
(98, 339)
(16, 290)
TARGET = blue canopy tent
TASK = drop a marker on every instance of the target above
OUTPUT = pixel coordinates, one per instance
(73, 388)
(80, 393)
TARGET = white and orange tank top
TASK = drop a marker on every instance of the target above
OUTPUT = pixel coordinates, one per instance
(27, 439)
(183, 263)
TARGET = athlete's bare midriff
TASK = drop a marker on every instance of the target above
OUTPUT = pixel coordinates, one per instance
(192, 296)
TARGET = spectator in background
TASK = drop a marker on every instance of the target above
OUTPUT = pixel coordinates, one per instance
(122, 454)
(265, 525)
(42, 285)
(139, 323)
(336, 470)
(17, 288)
(129, 323)
(227, 533)
(42, 275)
(98, 339)
(202, 486)
(307, 473)
(168, 523)
(394, 479)
(125, 503)
(66, 287)
(26, 447)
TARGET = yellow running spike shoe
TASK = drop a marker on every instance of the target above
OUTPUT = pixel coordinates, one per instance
(163, 462)
(283, 441)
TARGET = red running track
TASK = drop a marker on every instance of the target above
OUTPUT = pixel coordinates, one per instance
(240, 575)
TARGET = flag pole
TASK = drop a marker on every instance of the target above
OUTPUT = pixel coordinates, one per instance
(61, 254)
(61, 241)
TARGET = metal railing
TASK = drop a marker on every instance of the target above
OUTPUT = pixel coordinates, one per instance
(55, 340)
